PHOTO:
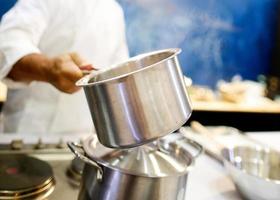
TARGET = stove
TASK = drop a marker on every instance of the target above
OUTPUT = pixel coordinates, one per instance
(25, 177)
(39, 167)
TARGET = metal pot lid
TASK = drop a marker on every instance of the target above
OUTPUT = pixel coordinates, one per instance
(172, 155)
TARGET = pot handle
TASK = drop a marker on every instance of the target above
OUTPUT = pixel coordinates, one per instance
(184, 140)
(76, 148)
(196, 145)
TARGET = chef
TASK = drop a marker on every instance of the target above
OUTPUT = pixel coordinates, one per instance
(43, 46)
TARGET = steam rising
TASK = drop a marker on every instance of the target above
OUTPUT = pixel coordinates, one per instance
(214, 34)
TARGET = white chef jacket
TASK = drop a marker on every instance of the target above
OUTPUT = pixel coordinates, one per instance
(93, 28)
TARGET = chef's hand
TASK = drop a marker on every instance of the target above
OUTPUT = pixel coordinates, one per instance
(65, 71)
(61, 71)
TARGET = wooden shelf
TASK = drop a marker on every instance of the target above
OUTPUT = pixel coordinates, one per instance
(222, 106)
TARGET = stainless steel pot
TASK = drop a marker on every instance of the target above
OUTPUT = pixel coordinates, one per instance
(157, 171)
(139, 100)
(255, 171)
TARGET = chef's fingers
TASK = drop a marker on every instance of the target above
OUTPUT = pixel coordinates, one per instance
(78, 60)
(87, 67)
(84, 66)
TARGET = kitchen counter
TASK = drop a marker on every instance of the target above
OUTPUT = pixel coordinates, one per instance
(209, 180)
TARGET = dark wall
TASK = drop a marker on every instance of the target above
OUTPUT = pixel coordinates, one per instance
(273, 81)
(219, 38)
(5, 5)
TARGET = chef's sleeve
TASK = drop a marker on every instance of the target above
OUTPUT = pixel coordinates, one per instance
(20, 31)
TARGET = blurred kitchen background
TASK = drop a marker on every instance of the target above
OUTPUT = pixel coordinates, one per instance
(219, 39)
(231, 62)
(230, 54)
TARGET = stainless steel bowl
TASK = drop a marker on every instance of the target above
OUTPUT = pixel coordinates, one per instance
(139, 100)
(255, 171)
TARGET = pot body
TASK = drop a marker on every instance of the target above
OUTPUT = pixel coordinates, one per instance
(160, 172)
(138, 101)
(119, 186)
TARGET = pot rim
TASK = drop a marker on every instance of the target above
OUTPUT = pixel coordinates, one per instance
(128, 172)
(84, 81)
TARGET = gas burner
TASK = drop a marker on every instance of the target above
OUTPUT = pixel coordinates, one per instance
(74, 172)
(25, 177)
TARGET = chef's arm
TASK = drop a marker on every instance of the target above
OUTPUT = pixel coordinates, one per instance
(61, 71)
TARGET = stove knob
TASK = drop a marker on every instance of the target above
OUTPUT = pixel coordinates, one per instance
(40, 144)
(61, 144)
(17, 144)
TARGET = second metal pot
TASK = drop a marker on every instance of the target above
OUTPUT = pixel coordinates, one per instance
(139, 100)
(158, 171)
